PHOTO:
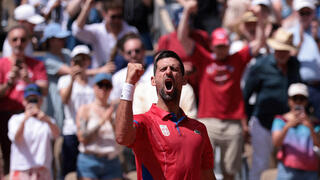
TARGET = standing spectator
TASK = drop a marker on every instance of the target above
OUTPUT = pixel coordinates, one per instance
(269, 79)
(308, 52)
(221, 106)
(102, 36)
(31, 133)
(98, 158)
(167, 144)
(16, 72)
(57, 62)
(295, 134)
(75, 90)
(25, 16)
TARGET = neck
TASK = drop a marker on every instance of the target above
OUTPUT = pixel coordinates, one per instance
(56, 51)
(113, 30)
(100, 102)
(171, 106)
(13, 58)
(282, 67)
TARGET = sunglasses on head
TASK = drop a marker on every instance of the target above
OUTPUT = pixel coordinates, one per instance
(136, 51)
(305, 13)
(299, 98)
(104, 85)
(33, 100)
(116, 16)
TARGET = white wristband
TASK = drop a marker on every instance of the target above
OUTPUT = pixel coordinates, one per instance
(127, 92)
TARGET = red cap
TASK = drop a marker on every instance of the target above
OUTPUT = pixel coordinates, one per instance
(220, 37)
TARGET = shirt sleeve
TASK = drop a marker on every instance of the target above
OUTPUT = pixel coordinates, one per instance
(64, 82)
(13, 126)
(277, 125)
(207, 154)
(85, 34)
(52, 66)
(138, 121)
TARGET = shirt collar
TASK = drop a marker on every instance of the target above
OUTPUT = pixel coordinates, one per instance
(162, 114)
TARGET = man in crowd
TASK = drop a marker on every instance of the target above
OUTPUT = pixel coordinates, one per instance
(221, 106)
(167, 144)
(269, 78)
(16, 72)
(102, 36)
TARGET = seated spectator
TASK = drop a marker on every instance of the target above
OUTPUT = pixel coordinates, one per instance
(75, 90)
(102, 36)
(295, 134)
(98, 158)
(57, 62)
(31, 134)
(26, 16)
(16, 72)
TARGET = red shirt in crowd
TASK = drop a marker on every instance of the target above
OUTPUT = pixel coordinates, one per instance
(13, 98)
(220, 95)
(170, 150)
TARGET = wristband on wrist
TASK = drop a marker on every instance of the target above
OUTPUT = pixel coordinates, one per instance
(127, 92)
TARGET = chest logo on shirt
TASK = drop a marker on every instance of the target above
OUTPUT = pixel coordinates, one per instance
(164, 129)
(220, 73)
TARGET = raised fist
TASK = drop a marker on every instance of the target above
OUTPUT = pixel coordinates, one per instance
(134, 72)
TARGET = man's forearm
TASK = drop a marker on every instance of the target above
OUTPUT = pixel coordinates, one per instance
(3, 89)
(81, 20)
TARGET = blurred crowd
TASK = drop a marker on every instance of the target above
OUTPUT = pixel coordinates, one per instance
(253, 71)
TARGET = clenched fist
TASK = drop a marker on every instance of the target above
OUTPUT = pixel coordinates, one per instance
(134, 72)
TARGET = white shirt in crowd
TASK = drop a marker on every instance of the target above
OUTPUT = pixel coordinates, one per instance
(35, 148)
(100, 39)
(80, 95)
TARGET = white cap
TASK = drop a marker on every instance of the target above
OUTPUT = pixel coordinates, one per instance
(80, 49)
(298, 89)
(28, 13)
(299, 4)
(261, 2)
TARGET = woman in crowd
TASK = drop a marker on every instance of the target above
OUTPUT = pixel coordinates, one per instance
(296, 135)
(31, 134)
(98, 158)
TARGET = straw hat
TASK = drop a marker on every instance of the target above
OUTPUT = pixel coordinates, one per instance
(282, 40)
(249, 17)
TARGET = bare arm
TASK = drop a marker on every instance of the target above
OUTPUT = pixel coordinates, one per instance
(81, 20)
(19, 135)
(73, 7)
(124, 129)
(53, 127)
(260, 37)
(183, 28)
(208, 174)
(278, 136)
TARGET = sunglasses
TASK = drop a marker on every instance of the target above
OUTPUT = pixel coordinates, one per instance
(22, 39)
(104, 85)
(305, 13)
(299, 98)
(33, 100)
(136, 51)
(116, 16)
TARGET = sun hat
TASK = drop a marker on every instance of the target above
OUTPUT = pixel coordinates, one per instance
(298, 89)
(299, 4)
(80, 49)
(249, 17)
(281, 40)
(54, 30)
(28, 13)
(220, 37)
(102, 76)
(32, 89)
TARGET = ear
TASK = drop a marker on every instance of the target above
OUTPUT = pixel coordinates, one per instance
(153, 81)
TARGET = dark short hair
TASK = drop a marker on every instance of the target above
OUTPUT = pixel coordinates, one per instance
(18, 27)
(166, 54)
(112, 4)
(126, 38)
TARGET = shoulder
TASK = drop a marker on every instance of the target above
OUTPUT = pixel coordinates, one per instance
(64, 79)
(16, 118)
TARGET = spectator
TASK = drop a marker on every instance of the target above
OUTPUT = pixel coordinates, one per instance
(98, 158)
(269, 79)
(57, 62)
(173, 150)
(16, 72)
(31, 151)
(102, 36)
(75, 90)
(25, 15)
(308, 52)
(295, 134)
(221, 107)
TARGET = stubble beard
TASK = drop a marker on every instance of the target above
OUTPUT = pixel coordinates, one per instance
(168, 97)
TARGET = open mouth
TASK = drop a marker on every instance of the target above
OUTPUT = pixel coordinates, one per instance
(169, 85)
